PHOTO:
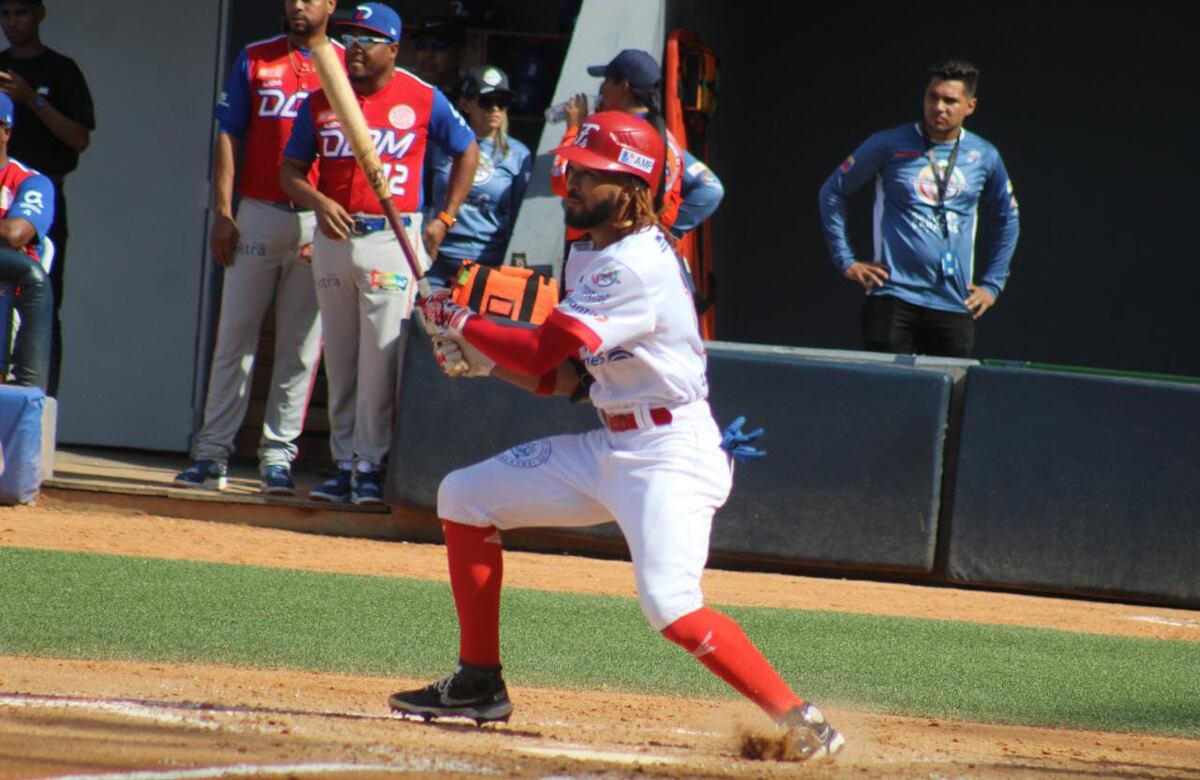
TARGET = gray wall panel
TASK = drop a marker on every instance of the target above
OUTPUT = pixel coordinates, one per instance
(137, 216)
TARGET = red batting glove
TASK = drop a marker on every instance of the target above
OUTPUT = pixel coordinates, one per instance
(440, 311)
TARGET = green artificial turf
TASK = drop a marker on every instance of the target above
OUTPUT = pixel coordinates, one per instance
(102, 606)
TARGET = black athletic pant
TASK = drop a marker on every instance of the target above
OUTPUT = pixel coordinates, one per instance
(892, 325)
(35, 302)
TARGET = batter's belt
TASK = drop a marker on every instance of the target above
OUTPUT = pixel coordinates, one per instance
(629, 421)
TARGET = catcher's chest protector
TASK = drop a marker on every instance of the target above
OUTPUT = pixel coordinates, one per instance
(505, 291)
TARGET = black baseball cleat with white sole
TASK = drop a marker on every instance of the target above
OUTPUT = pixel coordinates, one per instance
(814, 737)
(474, 692)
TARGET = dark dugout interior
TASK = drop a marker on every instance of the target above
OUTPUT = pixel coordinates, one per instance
(1090, 106)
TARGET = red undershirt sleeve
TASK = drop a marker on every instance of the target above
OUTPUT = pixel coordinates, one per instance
(530, 351)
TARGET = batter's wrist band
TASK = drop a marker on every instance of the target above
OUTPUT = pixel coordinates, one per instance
(449, 219)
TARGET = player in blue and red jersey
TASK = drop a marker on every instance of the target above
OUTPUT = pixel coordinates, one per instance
(26, 215)
(364, 286)
(932, 179)
(266, 255)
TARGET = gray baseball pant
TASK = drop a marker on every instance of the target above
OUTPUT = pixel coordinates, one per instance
(365, 291)
(267, 266)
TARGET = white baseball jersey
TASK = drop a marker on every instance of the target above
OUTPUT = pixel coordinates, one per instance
(642, 340)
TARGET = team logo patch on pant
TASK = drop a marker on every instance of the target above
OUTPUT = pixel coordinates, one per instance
(526, 456)
(387, 281)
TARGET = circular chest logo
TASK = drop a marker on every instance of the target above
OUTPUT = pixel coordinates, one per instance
(486, 169)
(402, 117)
(926, 189)
(526, 456)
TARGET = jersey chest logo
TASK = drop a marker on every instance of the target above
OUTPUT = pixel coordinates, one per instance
(388, 143)
(925, 187)
(275, 103)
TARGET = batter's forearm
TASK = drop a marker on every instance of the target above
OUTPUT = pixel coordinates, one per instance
(532, 353)
(462, 178)
(566, 379)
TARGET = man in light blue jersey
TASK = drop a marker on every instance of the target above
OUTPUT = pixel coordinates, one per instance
(933, 181)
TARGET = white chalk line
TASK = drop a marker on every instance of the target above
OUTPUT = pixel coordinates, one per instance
(131, 709)
(165, 712)
(238, 770)
(158, 706)
(588, 754)
(1162, 621)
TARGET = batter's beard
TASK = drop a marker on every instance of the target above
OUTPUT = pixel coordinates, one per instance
(586, 219)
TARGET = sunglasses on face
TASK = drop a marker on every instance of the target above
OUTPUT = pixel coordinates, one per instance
(488, 102)
(429, 44)
(364, 42)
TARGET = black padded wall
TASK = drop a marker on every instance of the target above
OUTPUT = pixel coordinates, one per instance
(1079, 484)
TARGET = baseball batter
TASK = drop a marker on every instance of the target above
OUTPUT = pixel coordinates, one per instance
(364, 286)
(266, 255)
(627, 333)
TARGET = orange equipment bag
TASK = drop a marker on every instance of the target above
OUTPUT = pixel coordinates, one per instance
(505, 291)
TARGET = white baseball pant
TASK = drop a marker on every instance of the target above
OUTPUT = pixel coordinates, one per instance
(267, 266)
(661, 485)
(365, 291)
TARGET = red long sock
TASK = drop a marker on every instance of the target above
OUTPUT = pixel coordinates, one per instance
(720, 644)
(476, 560)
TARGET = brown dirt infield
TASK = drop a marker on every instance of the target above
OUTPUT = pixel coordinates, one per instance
(83, 718)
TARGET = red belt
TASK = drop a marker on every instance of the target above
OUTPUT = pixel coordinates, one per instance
(628, 421)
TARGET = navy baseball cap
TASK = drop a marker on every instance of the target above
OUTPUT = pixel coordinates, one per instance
(377, 18)
(632, 65)
(6, 110)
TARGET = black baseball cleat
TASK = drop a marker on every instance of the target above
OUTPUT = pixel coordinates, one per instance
(814, 737)
(474, 692)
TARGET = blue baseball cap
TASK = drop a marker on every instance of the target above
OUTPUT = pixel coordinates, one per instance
(6, 110)
(377, 18)
(632, 65)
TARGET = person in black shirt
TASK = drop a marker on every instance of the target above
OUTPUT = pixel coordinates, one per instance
(55, 114)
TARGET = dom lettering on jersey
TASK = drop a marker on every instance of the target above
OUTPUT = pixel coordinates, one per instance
(277, 103)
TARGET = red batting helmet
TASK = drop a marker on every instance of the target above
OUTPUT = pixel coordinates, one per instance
(618, 142)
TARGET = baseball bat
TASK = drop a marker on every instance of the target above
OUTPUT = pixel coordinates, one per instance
(354, 126)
